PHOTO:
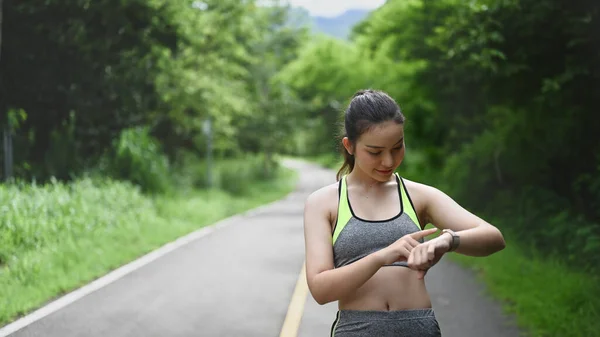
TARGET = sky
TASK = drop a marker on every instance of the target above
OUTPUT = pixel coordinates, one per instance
(330, 8)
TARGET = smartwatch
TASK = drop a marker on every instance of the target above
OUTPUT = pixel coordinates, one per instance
(455, 239)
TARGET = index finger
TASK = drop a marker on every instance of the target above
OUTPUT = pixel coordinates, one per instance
(421, 234)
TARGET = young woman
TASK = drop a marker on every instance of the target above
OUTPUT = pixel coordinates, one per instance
(364, 235)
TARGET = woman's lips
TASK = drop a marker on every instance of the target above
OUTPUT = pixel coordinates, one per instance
(384, 172)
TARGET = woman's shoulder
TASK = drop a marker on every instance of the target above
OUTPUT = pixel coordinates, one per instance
(415, 185)
(420, 189)
(423, 195)
(419, 192)
(324, 194)
(323, 199)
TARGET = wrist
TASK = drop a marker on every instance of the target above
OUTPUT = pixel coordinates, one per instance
(381, 256)
(447, 237)
(453, 239)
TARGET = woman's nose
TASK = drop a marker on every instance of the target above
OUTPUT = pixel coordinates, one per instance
(388, 160)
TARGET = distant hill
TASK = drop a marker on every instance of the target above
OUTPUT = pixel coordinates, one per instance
(339, 26)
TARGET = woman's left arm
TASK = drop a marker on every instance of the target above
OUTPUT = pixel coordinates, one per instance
(477, 237)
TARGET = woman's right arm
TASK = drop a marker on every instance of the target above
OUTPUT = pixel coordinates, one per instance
(326, 283)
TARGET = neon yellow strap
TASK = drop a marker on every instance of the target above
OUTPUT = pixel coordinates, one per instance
(406, 204)
(344, 213)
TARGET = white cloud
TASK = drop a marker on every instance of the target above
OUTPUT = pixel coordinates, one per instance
(331, 8)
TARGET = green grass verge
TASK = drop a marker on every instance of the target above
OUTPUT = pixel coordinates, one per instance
(56, 238)
(547, 298)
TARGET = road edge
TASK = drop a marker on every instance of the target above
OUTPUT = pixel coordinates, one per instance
(130, 267)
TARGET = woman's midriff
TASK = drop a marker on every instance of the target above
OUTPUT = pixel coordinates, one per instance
(391, 288)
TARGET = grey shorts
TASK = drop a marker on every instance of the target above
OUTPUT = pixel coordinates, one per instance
(401, 323)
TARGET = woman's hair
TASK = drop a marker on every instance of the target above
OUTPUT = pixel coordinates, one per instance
(366, 109)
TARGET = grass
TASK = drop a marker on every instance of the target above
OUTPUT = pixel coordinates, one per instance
(546, 296)
(56, 238)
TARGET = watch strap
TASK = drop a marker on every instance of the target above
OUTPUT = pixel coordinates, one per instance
(455, 239)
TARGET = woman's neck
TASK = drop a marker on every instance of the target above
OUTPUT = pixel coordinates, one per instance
(364, 181)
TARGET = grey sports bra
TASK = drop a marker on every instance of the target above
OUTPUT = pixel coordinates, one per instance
(355, 238)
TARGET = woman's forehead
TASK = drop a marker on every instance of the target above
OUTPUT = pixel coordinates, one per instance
(385, 134)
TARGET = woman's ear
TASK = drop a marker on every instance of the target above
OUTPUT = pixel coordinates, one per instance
(348, 145)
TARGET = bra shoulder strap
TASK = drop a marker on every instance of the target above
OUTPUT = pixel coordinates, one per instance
(343, 212)
(407, 204)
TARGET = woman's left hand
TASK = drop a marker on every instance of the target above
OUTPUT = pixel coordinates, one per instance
(427, 254)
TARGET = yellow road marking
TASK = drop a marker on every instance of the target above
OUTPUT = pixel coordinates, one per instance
(291, 324)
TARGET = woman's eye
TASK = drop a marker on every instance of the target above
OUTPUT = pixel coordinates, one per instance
(374, 153)
(398, 148)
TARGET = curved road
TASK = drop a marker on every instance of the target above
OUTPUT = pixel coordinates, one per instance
(237, 279)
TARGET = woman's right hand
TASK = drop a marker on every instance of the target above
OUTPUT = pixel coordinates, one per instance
(401, 248)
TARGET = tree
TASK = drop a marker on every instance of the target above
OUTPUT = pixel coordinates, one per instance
(277, 110)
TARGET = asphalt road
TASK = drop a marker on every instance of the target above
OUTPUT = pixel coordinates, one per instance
(238, 280)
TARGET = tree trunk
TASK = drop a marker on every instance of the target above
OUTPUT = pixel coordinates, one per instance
(1, 1)
(6, 134)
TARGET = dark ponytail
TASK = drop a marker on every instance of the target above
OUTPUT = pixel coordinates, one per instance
(366, 109)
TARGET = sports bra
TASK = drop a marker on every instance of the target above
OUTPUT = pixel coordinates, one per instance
(355, 238)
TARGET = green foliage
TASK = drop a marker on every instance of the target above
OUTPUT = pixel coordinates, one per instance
(235, 175)
(39, 217)
(322, 76)
(163, 65)
(276, 109)
(137, 157)
(15, 118)
(238, 175)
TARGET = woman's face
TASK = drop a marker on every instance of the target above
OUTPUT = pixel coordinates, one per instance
(379, 151)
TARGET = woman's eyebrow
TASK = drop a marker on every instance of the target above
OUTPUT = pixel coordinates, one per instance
(382, 147)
